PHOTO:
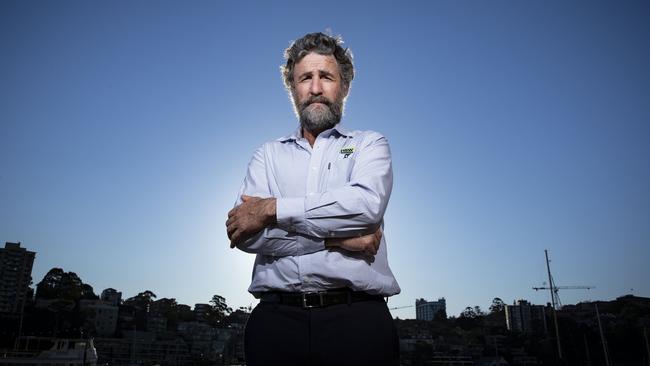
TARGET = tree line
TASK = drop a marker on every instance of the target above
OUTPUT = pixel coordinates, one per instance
(55, 309)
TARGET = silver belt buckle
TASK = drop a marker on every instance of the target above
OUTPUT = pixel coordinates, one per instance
(305, 305)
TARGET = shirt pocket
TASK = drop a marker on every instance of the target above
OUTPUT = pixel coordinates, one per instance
(339, 173)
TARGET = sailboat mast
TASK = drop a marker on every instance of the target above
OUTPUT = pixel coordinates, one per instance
(551, 287)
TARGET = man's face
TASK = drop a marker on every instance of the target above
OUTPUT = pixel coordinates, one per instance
(318, 92)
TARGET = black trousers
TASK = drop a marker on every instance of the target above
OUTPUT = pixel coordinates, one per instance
(360, 333)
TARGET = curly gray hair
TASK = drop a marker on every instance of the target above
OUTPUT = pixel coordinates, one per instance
(323, 45)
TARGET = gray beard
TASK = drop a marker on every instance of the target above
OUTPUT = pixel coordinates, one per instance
(316, 118)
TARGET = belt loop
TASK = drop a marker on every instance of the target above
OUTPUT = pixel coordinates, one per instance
(349, 297)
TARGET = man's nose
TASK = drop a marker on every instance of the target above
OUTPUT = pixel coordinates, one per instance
(316, 87)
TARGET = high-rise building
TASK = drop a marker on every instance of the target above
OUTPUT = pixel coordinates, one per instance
(525, 317)
(427, 310)
(15, 276)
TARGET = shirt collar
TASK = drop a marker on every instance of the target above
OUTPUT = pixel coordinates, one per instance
(297, 133)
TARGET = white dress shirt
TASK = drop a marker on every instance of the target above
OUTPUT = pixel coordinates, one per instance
(340, 187)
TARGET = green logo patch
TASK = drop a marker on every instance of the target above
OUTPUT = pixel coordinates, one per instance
(346, 151)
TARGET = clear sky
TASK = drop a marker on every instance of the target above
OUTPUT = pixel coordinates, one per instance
(515, 126)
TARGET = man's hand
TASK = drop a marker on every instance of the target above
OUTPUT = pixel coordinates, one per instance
(253, 215)
(367, 244)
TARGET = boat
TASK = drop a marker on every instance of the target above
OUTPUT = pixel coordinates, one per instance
(47, 351)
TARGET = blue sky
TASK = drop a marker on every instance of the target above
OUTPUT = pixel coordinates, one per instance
(515, 126)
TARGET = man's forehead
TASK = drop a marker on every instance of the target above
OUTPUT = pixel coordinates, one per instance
(314, 61)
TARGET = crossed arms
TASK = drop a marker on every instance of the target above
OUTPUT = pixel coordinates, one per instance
(347, 217)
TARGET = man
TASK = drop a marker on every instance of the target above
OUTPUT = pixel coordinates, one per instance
(311, 207)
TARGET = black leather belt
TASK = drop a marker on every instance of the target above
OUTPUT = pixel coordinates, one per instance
(318, 299)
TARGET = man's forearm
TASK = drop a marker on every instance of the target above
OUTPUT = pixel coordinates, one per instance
(270, 211)
(338, 214)
(248, 225)
(275, 242)
(249, 218)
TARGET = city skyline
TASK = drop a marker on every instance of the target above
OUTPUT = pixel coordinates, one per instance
(393, 309)
(163, 331)
(514, 128)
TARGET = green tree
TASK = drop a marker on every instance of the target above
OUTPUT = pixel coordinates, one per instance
(141, 301)
(87, 292)
(48, 288)
(59, 284)
(497, 306)
(469, 312)
(468, 319)
(478, 311)
(219, 309)
(63, 290)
